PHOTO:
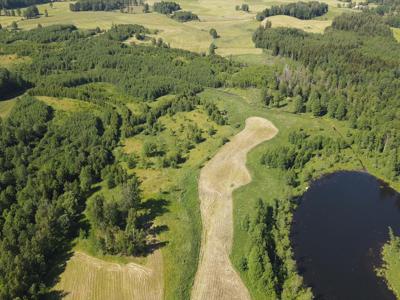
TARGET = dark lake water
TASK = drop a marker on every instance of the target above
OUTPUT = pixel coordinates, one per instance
(337, 234)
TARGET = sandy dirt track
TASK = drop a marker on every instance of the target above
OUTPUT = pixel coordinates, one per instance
(216, 278)
(87, 278)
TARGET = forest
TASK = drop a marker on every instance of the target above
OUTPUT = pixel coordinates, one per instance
(50, 162)
(391, 266)
(10, 84)
(95, 5)
(361, 48)
(300, 10)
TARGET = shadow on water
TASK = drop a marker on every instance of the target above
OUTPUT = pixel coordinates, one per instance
(337, 234)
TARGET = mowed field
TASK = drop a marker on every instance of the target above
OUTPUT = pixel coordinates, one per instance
(234, 27)
(89, 278)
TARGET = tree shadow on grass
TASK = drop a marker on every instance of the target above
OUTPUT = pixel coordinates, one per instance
(153, 208)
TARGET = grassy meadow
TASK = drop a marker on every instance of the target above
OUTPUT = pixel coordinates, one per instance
(234, 27)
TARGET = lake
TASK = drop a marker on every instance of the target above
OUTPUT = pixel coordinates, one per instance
(338, 230)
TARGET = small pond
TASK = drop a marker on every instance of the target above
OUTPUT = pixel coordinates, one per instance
(338, 230)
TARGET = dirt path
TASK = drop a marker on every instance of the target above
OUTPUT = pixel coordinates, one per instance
(89, 278)
(226, 171)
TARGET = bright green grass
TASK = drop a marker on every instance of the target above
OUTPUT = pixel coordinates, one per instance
(391, 268)
(68, 104)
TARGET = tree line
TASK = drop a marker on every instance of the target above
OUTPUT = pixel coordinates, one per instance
(269, 265)
(300, 10)
(96, 5)
(11, 4)
(165, 7)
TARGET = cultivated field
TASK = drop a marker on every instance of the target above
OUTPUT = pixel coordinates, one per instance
(226, 171)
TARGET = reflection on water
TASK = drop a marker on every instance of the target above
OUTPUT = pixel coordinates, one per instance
(337, 234)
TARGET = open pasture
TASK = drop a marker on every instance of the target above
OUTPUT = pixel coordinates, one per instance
(234, 27)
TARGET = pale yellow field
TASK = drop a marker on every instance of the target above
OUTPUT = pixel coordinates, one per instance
(216, 278)
(89, 278)
(317, 26)
(396, 33)
(234, 27)
(5, 107)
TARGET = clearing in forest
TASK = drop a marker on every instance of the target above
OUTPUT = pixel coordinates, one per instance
(89, 278)
(226, 171)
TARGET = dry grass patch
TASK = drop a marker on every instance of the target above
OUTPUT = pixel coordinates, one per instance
(11, 60)
(66, 104)
(216, 278)
(6, 107)
(396, 33)
(89, 278)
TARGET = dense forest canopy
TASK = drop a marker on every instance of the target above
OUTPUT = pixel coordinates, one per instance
(300, 10)
(354, 76)
(10, 83)
(96, 5)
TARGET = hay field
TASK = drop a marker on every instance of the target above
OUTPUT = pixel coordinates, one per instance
(89, 278)
(216, 278)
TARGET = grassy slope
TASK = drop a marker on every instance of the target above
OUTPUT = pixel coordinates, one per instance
(6, 106)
